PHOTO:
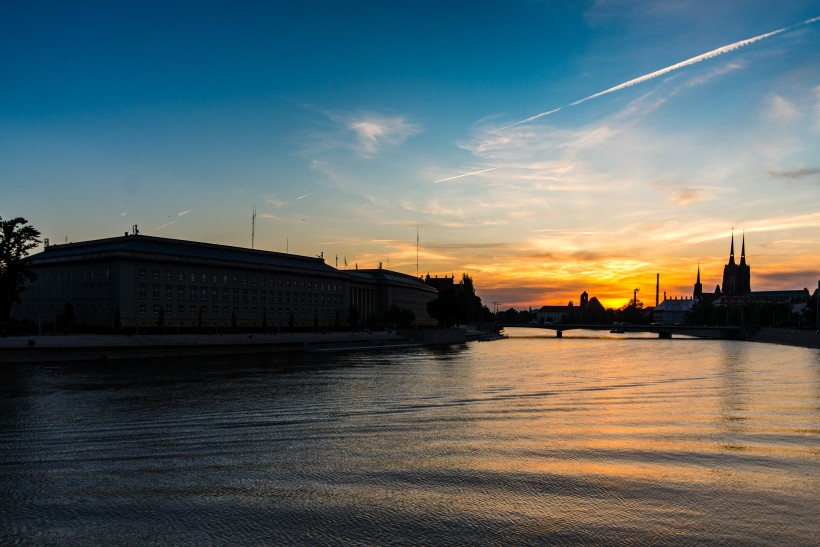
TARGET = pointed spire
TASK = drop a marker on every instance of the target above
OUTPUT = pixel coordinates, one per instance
(698, 281)
(732, 249)
(743, 249)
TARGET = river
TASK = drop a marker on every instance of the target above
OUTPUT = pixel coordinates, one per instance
(589, 439)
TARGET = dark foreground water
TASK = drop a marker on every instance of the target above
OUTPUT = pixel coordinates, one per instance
(521, 441)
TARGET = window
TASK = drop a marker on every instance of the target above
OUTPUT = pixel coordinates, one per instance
(192, 293)
(225, 278)
(253, 297)
(142, 308)
(142, 291)
(215, 310)
(214, 278)
(203, 294)
(169, 292)
(181, 292)
(143, 273)
(193, 277)
(193, 308)
(156, 308)
(244, 279)
(155, 274)
(262, 281)
(215, 294)
(169, 309)
(169, 275)
(236, 295)
(224, 295)
(203, 278)
(236, 280)
(181, 309)
(180, 276)
(155, 291)
(253, 280)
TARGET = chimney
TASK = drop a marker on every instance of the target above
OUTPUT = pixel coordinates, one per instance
(657, 287)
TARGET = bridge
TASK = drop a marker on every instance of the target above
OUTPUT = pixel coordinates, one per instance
(731, 332)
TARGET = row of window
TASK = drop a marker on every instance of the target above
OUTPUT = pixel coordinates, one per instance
(193, 309)
(194, 277)
(237, 295)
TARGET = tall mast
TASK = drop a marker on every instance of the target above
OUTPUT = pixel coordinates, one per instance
(253, 226)
(417, 250)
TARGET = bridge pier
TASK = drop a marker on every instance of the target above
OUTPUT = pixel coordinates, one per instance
(559, 334)
(665, 335)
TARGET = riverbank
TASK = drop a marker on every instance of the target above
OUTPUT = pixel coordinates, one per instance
(85, 347)
(787, 337)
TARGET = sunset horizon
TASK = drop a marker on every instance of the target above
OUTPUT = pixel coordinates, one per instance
(542, 149)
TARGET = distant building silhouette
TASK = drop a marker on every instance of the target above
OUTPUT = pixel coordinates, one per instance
(736, 277)
(697, 294)
(590, 311)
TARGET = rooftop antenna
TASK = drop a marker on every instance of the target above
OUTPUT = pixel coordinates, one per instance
(417, 250)
(253, 227)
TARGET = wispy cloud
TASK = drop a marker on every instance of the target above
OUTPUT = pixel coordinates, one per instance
(304, 196)
(183, 213)
(365, 133)
(374, 131)
(801, 173)
(276, 202)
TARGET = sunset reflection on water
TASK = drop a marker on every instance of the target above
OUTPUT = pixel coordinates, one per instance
(529, 440)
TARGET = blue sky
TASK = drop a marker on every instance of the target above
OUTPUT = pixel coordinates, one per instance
(351, 125)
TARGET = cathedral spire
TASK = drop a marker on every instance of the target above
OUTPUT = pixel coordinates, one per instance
(697, 294)
(732, 249)
(743, 250)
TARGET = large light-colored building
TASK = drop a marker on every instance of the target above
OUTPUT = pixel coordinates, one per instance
(137, 281)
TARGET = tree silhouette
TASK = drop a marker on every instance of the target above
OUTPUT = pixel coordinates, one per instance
(17, 238)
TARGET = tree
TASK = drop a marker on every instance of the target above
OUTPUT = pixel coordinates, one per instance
(399, 318)
(460, 305)
(17, 238)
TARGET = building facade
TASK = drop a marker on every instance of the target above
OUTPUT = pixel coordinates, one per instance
(138, 281)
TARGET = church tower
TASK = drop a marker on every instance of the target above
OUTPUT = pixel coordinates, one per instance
(744, 274)
(697, 294)
(736, 277)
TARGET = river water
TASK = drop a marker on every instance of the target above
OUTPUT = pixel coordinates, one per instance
(589, 439)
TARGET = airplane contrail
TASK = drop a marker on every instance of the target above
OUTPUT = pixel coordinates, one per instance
(694, 60)
(687, 62)
(467, 174)
(531, 118)
(305, 196)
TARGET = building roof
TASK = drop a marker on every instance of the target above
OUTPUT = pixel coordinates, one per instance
(778, 295)
(676, 304)
(380, 274)
(176, 249)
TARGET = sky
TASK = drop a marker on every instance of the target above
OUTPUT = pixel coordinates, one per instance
(544, 148)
